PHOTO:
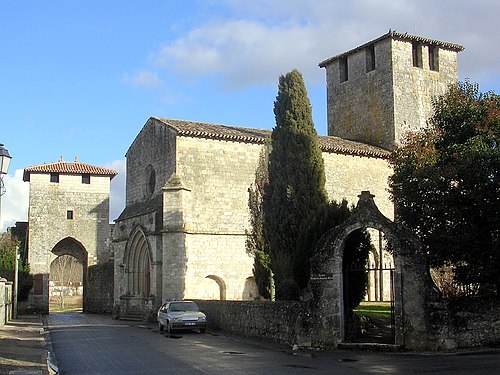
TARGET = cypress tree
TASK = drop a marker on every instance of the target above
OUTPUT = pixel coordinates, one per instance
(255, 241)
(296, 184)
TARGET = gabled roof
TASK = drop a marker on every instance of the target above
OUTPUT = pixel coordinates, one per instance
(64, 167)
(247, 135)
(395, 35)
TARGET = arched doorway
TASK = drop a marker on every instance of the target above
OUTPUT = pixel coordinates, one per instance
(68, 276)
(368, 288)
(411, 293)
(138, 300)
(139, 267)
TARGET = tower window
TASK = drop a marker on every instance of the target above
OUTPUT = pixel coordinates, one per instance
(54, 177)
(370, 57)
(69, 214)
(85, 179)
(434, 58)
(416, 49)
(343, 69)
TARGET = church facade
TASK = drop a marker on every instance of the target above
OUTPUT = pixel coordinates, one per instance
(182, 232)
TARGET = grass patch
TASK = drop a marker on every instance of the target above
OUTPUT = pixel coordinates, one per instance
(374, 308)
(65, 309)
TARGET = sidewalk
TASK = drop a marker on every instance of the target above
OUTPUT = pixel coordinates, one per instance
(23, 347)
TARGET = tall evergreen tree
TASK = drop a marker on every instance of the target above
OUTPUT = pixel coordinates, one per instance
(255, 236)
(296, 181)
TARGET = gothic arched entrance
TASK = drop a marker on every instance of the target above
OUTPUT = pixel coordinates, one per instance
(68, 276)
(327, 283)
(139, 266)
(138, 300)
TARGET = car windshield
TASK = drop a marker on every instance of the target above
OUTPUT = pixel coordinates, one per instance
(183, 306)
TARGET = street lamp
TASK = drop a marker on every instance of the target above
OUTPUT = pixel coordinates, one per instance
(4, 167)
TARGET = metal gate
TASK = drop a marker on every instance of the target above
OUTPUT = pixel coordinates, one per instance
(361, 323)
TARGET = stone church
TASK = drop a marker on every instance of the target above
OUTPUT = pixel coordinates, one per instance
(182, 232)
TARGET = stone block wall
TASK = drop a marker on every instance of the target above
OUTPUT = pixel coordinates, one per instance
(467, 323)
(281, 321)
(462, 325)
(5, 301)
(218, 174)
(347, 176)
(380, 106)
(99, 290)
(155, 146)
(416, 87)
(218, 268)
(49, 203)
(361, 108)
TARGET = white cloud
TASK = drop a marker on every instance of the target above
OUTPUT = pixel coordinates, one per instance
(246, 52)
(117, 193)
(15, 200)
(257, 41)
(143, 78)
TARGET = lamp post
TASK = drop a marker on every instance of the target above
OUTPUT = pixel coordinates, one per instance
(4, 167)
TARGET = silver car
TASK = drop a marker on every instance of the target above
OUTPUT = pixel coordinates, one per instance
(176, 315)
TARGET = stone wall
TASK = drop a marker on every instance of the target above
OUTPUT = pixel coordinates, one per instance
(281, 321)
(361, 108)
(416, 87)
(99, 291)
(205, 220)
(84, 235)
(154, 146)
(379, 106)
(454, 325)
(348, 175)
(467, 323)
(6, 306)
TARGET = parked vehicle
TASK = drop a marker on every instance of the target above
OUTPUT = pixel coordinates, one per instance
(177, 315)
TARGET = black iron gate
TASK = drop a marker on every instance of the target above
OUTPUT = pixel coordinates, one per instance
(363, 324)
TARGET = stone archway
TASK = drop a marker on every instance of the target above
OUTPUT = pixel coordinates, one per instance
(215, 288)
(138, 265)
(140, 290)
(412, 284)
(68, 254)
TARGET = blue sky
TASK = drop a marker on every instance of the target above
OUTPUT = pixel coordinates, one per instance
(82, 77)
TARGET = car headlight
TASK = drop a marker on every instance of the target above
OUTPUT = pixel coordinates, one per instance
(202, 319)
(177, 319)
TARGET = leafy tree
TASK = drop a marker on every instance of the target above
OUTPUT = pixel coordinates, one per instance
(446, 185)
(255, 236)
(296, 181)
(8, 265)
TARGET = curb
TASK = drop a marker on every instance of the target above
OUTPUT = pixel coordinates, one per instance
(52, 366)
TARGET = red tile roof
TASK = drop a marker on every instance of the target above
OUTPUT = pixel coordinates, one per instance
(65, 167)
(248, 135)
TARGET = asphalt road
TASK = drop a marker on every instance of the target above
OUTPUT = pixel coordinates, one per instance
(96, 344)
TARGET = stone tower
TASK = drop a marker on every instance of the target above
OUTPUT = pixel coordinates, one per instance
(379, 91)
(68, 215)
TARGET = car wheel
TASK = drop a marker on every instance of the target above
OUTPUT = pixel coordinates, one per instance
(203, 330)
(160, 327)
